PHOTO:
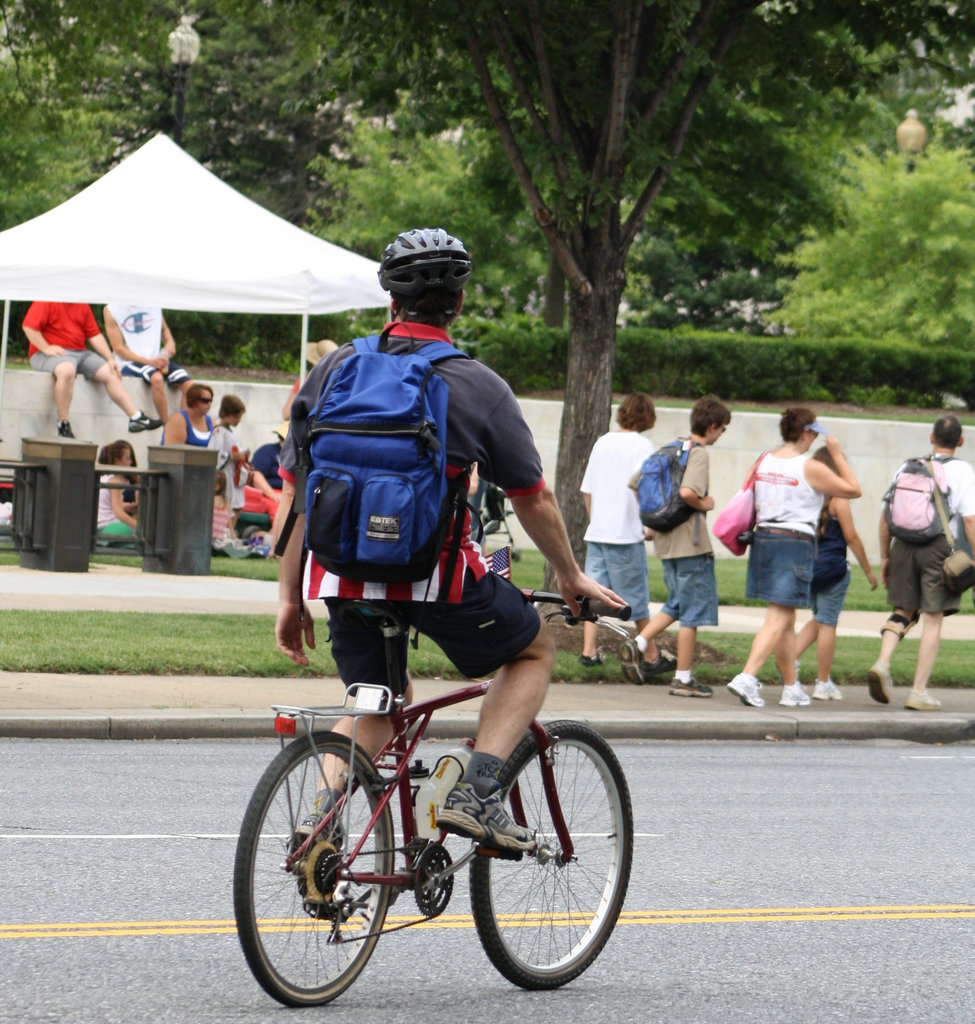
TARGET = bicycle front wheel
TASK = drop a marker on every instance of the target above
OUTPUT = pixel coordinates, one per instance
(307, 934)
(545, 918)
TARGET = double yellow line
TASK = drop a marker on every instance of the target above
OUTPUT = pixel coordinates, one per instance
(743, 915)
(766, 914)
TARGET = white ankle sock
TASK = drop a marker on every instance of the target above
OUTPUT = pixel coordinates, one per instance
(641, 642)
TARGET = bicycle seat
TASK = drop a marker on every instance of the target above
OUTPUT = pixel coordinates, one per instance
(374, 614)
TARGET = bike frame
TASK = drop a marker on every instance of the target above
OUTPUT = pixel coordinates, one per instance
(409, 724)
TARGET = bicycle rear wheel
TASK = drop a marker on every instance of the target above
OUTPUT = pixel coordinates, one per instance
(306, 935)
(543, 921)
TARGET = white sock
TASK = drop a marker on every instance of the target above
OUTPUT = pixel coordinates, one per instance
(135, 415)
(683, 675)
(641, 642)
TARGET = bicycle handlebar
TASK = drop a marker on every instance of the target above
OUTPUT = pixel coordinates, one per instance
(590, 608)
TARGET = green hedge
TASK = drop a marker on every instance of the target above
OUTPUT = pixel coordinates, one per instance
(743, 367)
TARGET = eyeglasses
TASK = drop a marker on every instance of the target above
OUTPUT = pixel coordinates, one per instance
(205, 401)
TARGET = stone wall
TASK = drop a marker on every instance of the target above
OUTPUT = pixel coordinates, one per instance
(875, 447)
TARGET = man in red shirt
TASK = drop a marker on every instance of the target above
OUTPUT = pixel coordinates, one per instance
(59, 334)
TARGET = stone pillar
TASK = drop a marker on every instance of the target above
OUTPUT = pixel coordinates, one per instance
(64, 503)
(180, 541)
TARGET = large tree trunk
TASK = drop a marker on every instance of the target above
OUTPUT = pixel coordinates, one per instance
(588, 388)
(554, 293)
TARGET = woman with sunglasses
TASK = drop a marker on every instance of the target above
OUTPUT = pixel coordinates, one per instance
(193, 424)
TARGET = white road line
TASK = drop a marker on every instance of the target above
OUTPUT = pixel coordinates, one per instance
(141, 836)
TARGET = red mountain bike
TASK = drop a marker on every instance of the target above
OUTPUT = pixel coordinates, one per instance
(310, 908)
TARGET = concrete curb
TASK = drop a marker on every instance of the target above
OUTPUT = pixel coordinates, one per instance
(740, 726)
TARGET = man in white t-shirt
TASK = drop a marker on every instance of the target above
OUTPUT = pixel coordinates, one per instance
(144, 346)
(912, 575)
(616, 555)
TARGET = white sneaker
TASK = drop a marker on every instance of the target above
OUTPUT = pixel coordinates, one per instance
(922, 701)
(746, 689)
(826, 691)
(794, 696)
(879, 682)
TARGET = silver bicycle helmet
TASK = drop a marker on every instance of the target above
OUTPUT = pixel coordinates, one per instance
(424, 259)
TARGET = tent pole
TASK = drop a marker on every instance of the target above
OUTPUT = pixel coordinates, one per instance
(304, 347)
(3, 351)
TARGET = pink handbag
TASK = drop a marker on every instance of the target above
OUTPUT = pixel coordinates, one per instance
(738, 516)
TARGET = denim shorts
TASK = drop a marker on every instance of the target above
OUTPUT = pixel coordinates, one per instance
(622, 568)
(493, 623)
(780, 569)
(692, 591)
(828, 602)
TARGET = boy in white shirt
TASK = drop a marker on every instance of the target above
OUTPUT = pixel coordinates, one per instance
(615, 554)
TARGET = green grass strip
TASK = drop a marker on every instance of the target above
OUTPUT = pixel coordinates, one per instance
(125, 643)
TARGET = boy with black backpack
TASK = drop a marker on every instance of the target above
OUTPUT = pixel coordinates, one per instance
(913, 547)
(687, 557)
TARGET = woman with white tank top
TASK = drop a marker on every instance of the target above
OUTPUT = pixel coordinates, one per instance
(789, 491)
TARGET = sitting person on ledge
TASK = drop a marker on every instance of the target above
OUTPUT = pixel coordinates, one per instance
(59, 334)
(144, 345)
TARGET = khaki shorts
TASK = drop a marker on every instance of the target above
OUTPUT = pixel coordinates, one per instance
(915, 577)
(86, 362)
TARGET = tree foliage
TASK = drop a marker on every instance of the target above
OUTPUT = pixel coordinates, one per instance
(594, 102)
(390, 176)
(898, 265)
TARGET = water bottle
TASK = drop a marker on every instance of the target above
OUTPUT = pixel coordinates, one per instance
(433, 790)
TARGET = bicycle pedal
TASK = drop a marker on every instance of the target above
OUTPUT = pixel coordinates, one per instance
(492, 851)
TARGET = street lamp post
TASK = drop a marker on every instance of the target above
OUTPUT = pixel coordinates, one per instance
(911, 137)
(184, 48)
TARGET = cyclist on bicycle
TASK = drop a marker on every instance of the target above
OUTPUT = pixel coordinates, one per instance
(486, 625)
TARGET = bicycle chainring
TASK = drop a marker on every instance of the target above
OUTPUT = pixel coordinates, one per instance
(432, 892)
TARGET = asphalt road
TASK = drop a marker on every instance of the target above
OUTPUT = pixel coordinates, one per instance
(772, 882)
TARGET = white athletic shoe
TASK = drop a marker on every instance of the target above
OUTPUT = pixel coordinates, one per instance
(826, 691)
(746, 689)
(794, 696)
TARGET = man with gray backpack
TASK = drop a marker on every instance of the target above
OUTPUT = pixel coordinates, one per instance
(913, 548)
(368, 540)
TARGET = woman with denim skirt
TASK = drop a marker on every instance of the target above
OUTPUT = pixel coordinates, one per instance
(789, 492)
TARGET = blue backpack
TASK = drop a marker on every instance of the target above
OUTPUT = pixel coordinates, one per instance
(377, 500)
(658, 489)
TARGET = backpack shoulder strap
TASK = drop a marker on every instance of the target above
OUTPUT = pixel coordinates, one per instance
(430, 350)
(438, 351)
(945, 524)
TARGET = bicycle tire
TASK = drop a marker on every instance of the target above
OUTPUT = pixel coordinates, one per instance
(298, 958)
(542, 923)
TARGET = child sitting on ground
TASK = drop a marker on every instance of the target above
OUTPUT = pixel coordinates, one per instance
(222, 536)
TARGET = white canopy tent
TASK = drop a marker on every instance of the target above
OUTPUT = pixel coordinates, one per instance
(162, 230)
